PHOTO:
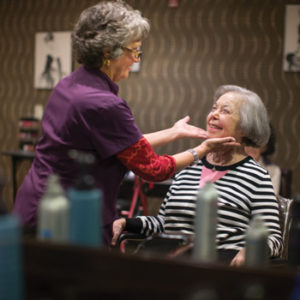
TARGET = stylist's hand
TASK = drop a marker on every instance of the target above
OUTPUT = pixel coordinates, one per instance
(183, 129)
(239, 259)
(118, 227)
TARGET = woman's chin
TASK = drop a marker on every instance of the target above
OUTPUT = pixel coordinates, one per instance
(125, 75)
(214, 135)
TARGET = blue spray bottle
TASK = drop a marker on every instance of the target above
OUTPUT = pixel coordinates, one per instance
(11, 260)
(86, 205)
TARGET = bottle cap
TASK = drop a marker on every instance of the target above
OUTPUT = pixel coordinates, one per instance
(54, 187)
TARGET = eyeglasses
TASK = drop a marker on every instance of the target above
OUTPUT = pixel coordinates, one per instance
(135, 52)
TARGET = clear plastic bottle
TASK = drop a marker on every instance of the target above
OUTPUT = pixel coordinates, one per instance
(256, 243)
(54, 212)
(206, 224)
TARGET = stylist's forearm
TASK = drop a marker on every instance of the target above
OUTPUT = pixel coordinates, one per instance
(183, 160)
(162, 137)
(186, 158)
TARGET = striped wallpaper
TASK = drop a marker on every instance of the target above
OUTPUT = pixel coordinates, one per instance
(191, 50)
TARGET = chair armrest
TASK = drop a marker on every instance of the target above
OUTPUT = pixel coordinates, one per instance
(130, 236)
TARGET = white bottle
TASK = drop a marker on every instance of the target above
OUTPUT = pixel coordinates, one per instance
(206, 224)
(256, 243)
(53, 212)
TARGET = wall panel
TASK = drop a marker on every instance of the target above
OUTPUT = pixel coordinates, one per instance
(191, 50)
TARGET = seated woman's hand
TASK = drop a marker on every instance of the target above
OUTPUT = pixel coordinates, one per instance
(118, 227)
(214, 144)
(185, 130)
(239, 259)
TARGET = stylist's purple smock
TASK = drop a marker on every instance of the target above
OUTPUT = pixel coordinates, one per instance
(84, 113)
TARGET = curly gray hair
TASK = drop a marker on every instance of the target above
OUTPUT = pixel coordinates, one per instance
(108, 25)
(254, 121)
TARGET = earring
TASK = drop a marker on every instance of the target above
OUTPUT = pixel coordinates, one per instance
(106, 62)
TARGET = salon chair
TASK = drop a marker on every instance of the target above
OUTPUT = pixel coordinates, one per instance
(178, 244)
(285, 205)
(286, 183)
(168, 245)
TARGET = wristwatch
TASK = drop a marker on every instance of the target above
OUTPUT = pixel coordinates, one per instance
(196, 157)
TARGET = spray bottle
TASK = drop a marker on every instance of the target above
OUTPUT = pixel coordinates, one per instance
(53, 212)
(11, 261)
(86, 205)
(206, 224)
(256, 243)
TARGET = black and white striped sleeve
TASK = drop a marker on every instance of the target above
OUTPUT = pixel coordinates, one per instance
(148, 225)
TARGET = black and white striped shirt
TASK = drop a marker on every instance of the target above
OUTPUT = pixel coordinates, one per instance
(244, 191)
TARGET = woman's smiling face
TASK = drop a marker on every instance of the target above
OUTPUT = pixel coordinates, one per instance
(224, 118)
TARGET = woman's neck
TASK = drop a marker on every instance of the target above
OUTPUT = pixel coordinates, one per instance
(105, 70)
(226, 156)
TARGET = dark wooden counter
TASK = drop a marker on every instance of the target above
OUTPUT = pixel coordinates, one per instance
(65, 272)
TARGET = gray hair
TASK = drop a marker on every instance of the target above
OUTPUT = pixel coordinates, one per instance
(108, 25)
(254, 121)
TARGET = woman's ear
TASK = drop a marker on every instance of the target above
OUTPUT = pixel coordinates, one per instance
(106, 59)
(241, 134)
(107, 54)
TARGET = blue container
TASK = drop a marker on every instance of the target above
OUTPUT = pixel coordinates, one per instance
(85, 217)
(296, 292)
(11, 266)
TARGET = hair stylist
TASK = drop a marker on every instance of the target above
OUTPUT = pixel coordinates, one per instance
(85, 113)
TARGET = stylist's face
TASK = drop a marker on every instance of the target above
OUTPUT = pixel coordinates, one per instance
(224, 118)
(119, 68)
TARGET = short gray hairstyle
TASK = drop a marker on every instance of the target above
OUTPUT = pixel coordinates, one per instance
(254, 121)
(108, 25)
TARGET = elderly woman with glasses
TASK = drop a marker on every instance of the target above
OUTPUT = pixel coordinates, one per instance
(84, 112)
(244, 188)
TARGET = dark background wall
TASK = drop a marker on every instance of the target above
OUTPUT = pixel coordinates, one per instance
(191, 50)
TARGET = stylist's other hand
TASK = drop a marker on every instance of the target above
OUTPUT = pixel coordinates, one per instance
(239, 259)
(185, 130)
(117, 228)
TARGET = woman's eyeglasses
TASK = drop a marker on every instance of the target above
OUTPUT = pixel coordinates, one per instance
(135, 52)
